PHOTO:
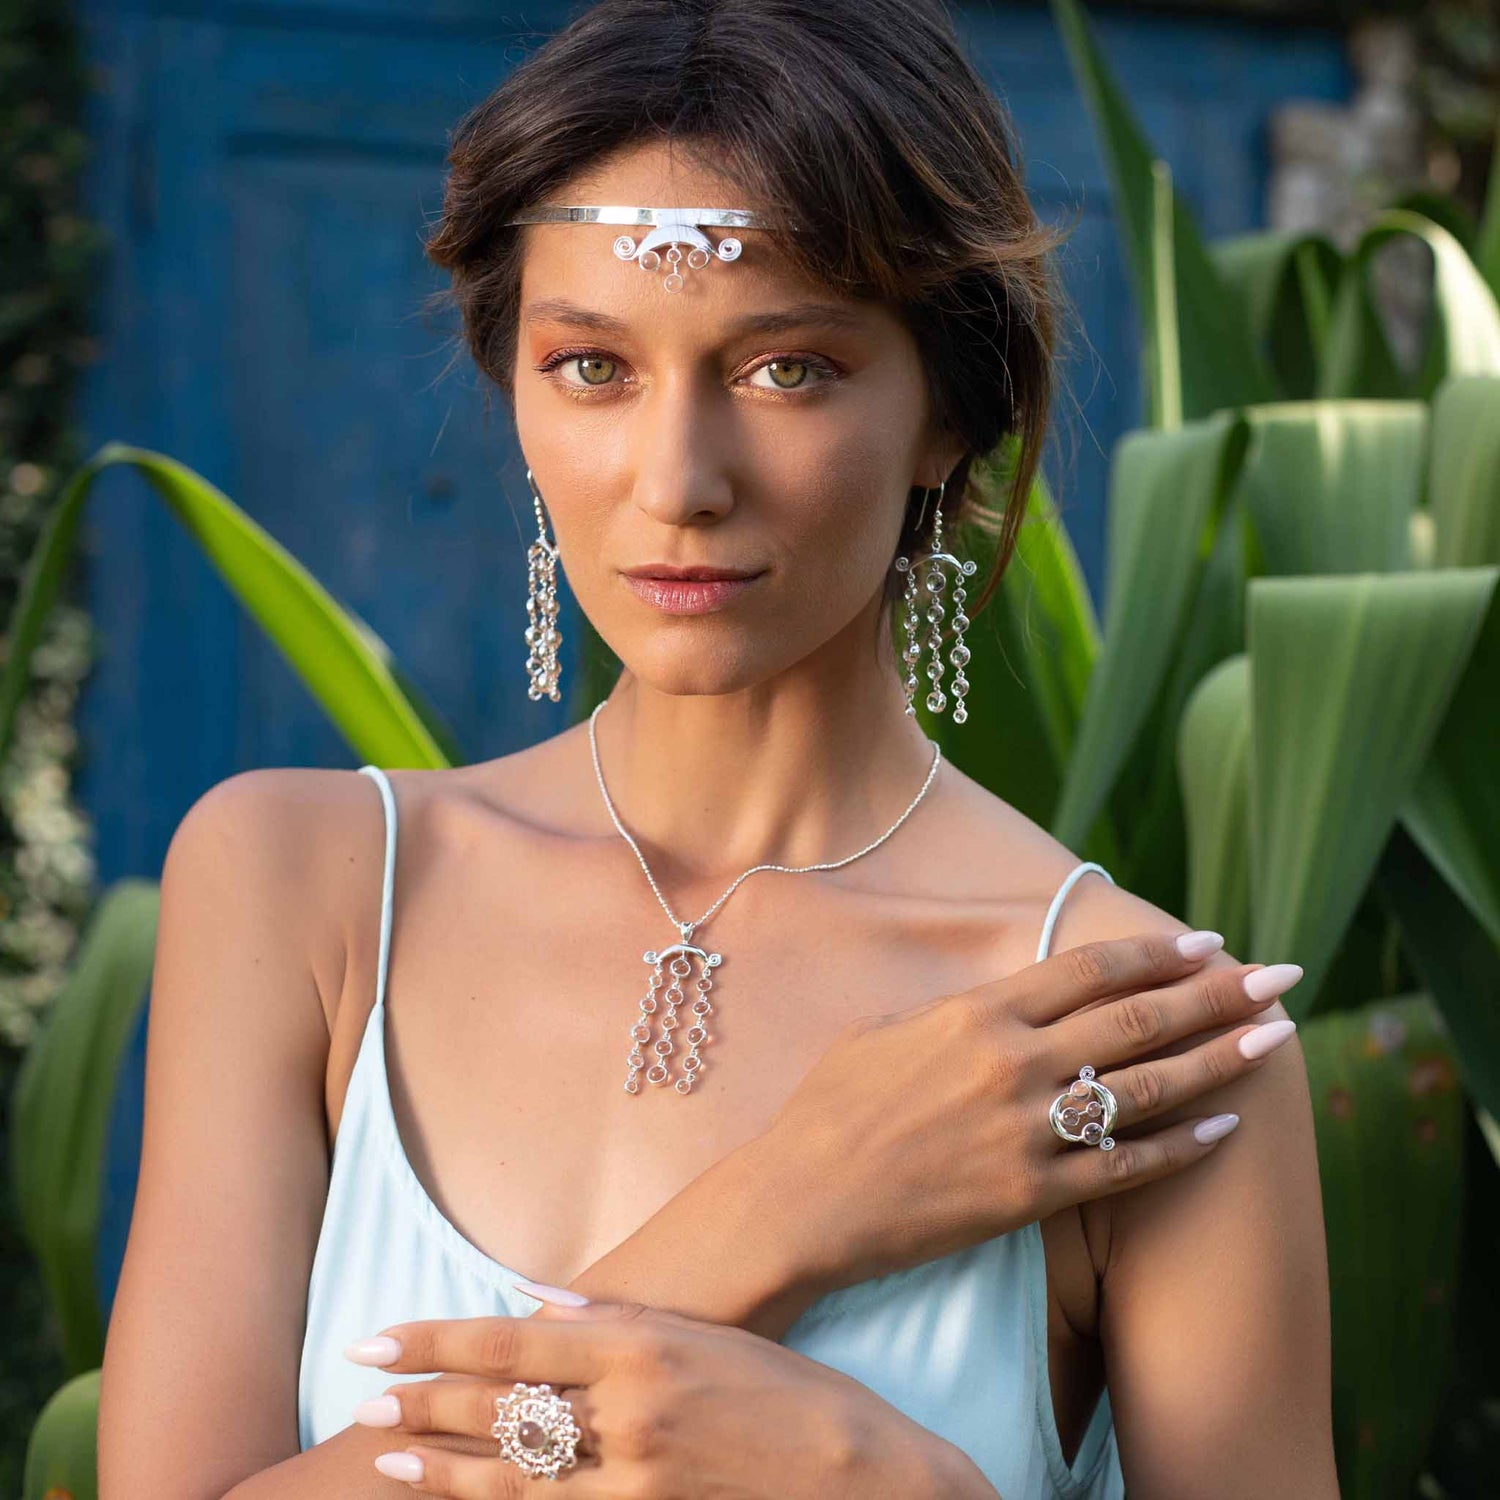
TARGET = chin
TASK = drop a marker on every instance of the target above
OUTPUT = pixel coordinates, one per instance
(698, 662)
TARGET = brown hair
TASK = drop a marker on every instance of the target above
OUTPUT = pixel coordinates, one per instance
(860, 121)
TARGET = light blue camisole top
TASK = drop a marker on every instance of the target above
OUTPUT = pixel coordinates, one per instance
(959, 1344)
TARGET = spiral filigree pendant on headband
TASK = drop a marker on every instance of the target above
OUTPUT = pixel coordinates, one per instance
(931, 563)
(678, 229)
(674, 234)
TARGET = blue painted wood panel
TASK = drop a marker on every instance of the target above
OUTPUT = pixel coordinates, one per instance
(264, 172)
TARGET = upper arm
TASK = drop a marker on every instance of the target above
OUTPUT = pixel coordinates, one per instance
(1214, 1312)
(204, 1340)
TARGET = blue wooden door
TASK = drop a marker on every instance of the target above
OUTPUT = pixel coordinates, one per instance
(264, 173)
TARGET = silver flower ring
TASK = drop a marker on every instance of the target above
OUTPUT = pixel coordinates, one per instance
(536, 1430)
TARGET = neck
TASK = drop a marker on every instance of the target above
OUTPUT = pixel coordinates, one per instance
(803, 768)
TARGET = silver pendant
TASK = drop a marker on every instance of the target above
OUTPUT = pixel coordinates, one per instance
(681, 955)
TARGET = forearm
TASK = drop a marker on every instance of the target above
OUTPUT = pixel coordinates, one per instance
(342, 1467)
(728, 1249)
(724, 1250)
(892, 1457)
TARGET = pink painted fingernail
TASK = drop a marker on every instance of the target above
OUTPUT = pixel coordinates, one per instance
(1273, 980)
(1266, 1038)
(406, 1466)
(1213, 1127)
(378, 1411)
(380, 1350)
(559, 1296)
(1199, 944)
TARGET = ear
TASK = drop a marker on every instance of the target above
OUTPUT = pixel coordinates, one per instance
(939, 459)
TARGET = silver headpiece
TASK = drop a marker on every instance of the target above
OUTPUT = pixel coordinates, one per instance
(675, 228)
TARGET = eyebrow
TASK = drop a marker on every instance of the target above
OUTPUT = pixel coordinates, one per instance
(798, 315)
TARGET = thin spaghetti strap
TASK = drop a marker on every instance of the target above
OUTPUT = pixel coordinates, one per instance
(388, 880)
(1053, 911)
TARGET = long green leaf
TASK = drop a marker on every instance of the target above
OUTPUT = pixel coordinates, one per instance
(1164, 337)
(1487, 239)
(62, 1457)
(1168, 492)
(1330, 485)
(1220, 366)
(1454, 958)
(61, 1106)
(1454, 810)
(1213, 757)
(1284, 284)
(1351, 678)
(344, 664)
(1464, 471)
(1051, 621)
(1465, 332)
(1148, 799)
(1390, 1156)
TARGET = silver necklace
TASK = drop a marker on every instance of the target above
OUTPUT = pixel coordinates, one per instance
(682, 953)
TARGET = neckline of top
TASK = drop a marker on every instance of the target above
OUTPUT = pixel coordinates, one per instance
(478, 1261)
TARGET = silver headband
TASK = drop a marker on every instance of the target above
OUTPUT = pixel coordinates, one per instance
(675, 228)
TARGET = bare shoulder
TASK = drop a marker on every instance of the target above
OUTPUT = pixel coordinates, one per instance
(1274, 1095)
(996, 846)
(1222, 1260)
(294, 850)
(530, 790)
(1272, 1099)
(264, 875)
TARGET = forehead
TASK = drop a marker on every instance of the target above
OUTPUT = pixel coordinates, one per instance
(570, 271)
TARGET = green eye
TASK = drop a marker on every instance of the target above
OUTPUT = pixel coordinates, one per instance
(583, 361)
(800, 366)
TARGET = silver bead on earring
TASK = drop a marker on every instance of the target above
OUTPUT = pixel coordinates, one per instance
(935, 559)
(542, 635)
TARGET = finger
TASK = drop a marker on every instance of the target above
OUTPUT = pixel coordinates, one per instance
(1163, 1083)
(1121, 1029)
(1087, 1172)
(1058, 985)
(577, 1350)
(467, 1406)
(465, 1477)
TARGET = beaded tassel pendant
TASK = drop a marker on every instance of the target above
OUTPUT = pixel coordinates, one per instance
(542, 635)
(935, 581)
(678, 960)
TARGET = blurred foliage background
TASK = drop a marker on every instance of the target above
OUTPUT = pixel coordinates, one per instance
(47, 254)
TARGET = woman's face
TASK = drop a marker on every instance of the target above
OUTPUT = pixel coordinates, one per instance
(750, 421)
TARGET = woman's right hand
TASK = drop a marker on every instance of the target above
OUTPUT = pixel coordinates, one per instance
(925, 1131)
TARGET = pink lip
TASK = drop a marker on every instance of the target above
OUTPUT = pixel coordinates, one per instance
(685, 596)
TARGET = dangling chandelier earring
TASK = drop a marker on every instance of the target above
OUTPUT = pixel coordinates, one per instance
(935, 581)
(542, 635)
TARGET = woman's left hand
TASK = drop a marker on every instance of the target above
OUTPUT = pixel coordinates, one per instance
(667, 1407)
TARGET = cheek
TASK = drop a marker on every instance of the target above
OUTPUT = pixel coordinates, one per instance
(838, 511)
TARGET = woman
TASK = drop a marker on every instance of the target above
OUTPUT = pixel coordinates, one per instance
(851, 1142)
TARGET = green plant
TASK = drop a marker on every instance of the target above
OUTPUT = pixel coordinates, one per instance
(62, 1456)
(1288, 724)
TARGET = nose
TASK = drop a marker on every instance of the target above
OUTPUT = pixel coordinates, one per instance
(680, 452)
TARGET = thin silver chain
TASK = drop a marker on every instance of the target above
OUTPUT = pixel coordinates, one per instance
(688, 928)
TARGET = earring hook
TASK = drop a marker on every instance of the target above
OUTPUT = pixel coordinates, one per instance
(926, 491)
